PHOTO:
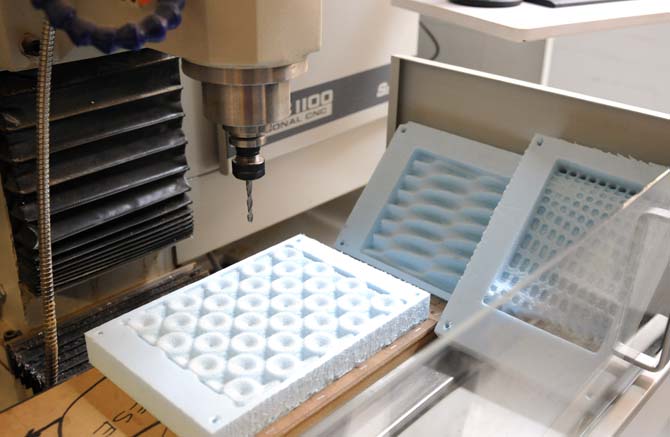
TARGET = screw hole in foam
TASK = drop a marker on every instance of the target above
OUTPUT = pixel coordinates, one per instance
(176, 341)
(287, 284)
(245, 389)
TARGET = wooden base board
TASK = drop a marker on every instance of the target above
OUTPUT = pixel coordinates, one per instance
(90, 404)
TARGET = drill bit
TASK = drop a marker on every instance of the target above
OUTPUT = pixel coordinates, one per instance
(250, 203)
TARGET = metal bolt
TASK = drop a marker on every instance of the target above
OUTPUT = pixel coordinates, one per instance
(30, 45)
(11, 335)
(3, 298)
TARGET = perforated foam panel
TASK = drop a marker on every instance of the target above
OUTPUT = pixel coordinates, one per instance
(559, 192)
(426, 206)
(233, 352)
(572, 202)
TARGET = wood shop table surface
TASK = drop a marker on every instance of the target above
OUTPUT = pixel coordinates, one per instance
(91, 405)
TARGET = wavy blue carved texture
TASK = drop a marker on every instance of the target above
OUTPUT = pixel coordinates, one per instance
(434, 219)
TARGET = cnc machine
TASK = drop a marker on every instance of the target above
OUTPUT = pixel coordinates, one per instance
(546, 350)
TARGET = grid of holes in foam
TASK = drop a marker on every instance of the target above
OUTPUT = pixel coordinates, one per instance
(435, 218)
(241, 332)
(572, 202)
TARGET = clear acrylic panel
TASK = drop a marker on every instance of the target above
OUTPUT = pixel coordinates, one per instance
(592, 317)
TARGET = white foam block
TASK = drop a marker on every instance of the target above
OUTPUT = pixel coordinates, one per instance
(205, 367)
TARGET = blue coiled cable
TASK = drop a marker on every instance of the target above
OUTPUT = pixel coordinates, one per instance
(130, 36)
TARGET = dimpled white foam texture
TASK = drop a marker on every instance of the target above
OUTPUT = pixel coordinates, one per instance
(229, 354)
(426, 206)
(559, 191)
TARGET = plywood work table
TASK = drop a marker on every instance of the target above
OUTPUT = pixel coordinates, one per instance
(91, 405)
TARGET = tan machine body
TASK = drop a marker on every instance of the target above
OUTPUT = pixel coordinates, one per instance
(245, 52)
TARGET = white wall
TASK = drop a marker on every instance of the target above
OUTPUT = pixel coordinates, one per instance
(629, 65)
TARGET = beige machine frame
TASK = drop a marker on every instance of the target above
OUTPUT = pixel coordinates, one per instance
(506, 113)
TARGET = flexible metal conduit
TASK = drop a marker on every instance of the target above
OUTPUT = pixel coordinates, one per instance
(50, 327)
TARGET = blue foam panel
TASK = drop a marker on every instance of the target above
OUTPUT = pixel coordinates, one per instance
(426, 207)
